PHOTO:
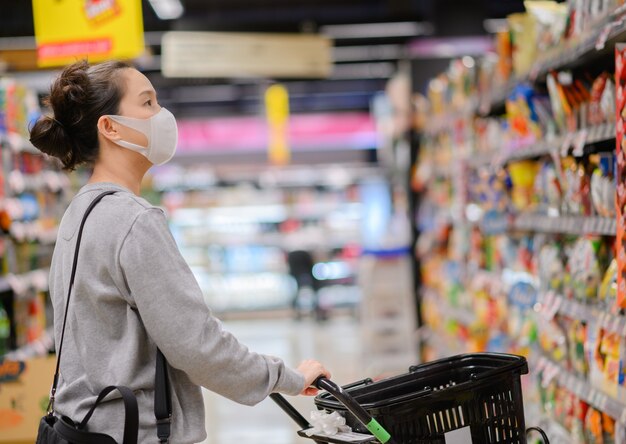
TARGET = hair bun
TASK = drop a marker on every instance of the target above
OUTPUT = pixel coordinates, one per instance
(79, 97)
(48, 135)
(69, 92)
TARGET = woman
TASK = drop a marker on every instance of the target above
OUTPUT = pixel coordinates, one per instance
(133, 290)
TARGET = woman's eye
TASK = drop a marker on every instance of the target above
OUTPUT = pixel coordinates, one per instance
(149, 103)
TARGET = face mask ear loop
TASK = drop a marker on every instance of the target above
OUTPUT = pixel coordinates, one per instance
(144, 126)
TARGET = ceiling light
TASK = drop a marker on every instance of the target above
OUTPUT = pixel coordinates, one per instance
(363, 53)
(378, 30)
(376, 70)
(493, 25)
(167, 9)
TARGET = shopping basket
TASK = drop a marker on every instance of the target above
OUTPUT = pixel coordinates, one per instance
(468, 399)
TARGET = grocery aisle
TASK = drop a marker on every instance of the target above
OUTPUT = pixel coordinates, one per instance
(336, 343)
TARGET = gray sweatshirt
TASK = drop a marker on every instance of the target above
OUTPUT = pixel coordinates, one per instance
(134, 292)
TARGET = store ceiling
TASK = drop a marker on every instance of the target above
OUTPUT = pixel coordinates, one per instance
(362, 65)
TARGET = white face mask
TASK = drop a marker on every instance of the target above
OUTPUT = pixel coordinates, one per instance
(161, 131)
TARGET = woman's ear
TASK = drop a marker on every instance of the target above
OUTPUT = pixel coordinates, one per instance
(108, 128)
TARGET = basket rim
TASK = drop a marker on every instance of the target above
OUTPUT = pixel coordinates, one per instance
(517, 366)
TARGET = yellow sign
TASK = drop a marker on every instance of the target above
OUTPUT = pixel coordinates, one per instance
(277, 112)
(96, 30)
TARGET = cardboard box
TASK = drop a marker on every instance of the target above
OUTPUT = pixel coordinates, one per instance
(24, 391)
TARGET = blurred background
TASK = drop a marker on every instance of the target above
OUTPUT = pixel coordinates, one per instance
(371, 183)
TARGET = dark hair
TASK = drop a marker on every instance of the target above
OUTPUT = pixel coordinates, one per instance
(78, 98)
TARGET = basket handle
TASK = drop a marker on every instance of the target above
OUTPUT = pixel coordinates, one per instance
(540, 431)
(365, 381)
(355, 408)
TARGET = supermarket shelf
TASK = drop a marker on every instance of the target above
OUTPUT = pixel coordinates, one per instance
(585, 50)
(578, 143)
(4, 285)
(555, 431)
(494, 104)
(580, 52)
(39, 347)
(18, 143)
(593, 396)
(555, 303)
(22, 283)
(577, 225)
(477, 160)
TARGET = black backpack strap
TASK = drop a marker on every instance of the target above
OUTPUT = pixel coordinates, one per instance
(131, 412)
(69, 293)
(162, 399)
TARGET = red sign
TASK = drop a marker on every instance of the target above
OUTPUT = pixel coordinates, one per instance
(306, 132)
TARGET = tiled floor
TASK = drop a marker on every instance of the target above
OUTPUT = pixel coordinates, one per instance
(335, 343)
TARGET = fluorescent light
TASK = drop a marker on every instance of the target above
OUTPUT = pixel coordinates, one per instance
(370, 52)
(377, 30)
(376, 70)
(167, 9)
(493, 25)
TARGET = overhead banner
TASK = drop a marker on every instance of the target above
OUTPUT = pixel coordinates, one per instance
(306, 132)
(95, 30)
(233, 54)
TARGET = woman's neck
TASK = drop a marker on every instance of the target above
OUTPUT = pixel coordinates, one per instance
(127, 177)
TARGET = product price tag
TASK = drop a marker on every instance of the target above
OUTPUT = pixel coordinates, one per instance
(549, 374)
(551, 306)
(534, 72)
(541, 364)
(603, 37)
(580, 139)
(602, 402)
(603, 320)
(615, 325)
(579, 387)
(566, 144)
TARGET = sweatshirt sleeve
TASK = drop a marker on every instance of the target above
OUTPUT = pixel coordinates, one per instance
(176, 317)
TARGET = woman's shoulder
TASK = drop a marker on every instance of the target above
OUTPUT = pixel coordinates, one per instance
(115, 213)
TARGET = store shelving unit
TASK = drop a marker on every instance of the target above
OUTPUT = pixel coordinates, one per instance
(594, 396)
(452, 300)
(236, 239)
(590, 313)
(33, 196)
(595, 44)
(580, 143)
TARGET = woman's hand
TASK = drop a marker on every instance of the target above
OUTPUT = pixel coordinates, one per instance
(311, 370)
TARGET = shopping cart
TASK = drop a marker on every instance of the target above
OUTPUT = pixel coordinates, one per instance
(465, 399)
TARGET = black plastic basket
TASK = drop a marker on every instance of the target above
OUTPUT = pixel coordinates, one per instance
(480, 392)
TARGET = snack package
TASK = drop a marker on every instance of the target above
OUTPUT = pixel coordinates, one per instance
(607, 292)
(611, 347)
(577, 338)
(523, 176)
(585, 268)
(593, 426)
(551, 22)
(608, 429)
(551, 269)
(603, 186)
(577, 428)
(553, 340)
(523, 29)
(548, 189)
(620, 147)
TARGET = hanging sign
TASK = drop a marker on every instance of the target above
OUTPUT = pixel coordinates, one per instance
(95, 30)
(238, 54)
(277, 113)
